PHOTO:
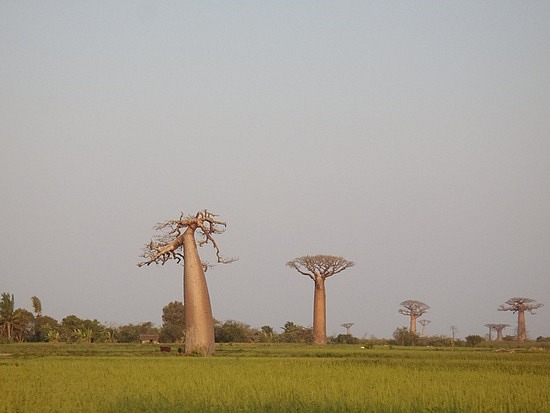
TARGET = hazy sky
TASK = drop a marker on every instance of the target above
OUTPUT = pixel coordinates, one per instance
(411, 137)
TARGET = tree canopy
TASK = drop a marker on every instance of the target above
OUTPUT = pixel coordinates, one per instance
(516, 304)
(322, 266)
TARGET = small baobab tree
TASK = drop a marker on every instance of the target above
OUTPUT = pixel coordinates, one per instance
(454, 330)
(520, 305)
(413, 309)
(347, 326)
(498, 328)
(176, 240)
(490, 327)
(424, 324)
(319, 268)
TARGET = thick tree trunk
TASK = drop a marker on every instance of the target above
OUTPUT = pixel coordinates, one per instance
(522, 334)
(199, 327)
(319, 312)
(412, 327)
(499, 334)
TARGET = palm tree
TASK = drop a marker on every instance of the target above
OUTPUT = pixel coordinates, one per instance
(7, 312)
(37, 306)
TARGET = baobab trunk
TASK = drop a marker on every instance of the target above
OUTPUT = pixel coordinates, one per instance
(199, 328)
(412, 326)
(319, 312)
(522, 334)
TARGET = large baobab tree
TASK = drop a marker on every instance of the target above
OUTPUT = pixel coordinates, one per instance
(176, 240)
(520, 305)
(319, 268)
(413, 309)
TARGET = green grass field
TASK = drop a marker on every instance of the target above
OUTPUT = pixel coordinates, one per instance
(270, 378)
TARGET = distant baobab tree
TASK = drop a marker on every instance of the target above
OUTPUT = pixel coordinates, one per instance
(347, 326)
(454, 330)
(490, 327)
(498, 328)
(520, 305)
(319, 268)
(413, 309)
(177, 241)
(424, 324)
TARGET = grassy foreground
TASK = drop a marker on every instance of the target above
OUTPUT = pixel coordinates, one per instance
(270, 378)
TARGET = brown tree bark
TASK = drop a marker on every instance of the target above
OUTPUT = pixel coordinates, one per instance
(412, 324)
(522, 333)
(320, 312)
(199, 322)
(499, 328)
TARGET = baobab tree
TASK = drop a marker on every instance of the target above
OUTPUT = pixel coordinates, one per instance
(490, 327)
(424, 324)
(498, 328)
(454, 330)
(520, 305)
(176, 240)
(413, 309)
(319, 268)
(347, 326)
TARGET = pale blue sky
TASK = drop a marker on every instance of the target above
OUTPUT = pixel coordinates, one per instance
(412, 137)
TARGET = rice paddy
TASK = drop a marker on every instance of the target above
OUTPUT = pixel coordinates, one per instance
(271, 378)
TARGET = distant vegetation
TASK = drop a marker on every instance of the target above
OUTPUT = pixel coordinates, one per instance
(20, 325)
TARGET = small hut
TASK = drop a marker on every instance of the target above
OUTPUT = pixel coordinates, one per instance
(149, 338)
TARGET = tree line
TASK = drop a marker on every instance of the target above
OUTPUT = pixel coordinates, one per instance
(21, 325)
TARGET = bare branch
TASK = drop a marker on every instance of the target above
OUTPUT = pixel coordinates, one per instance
(293, 264)
(169, 242)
